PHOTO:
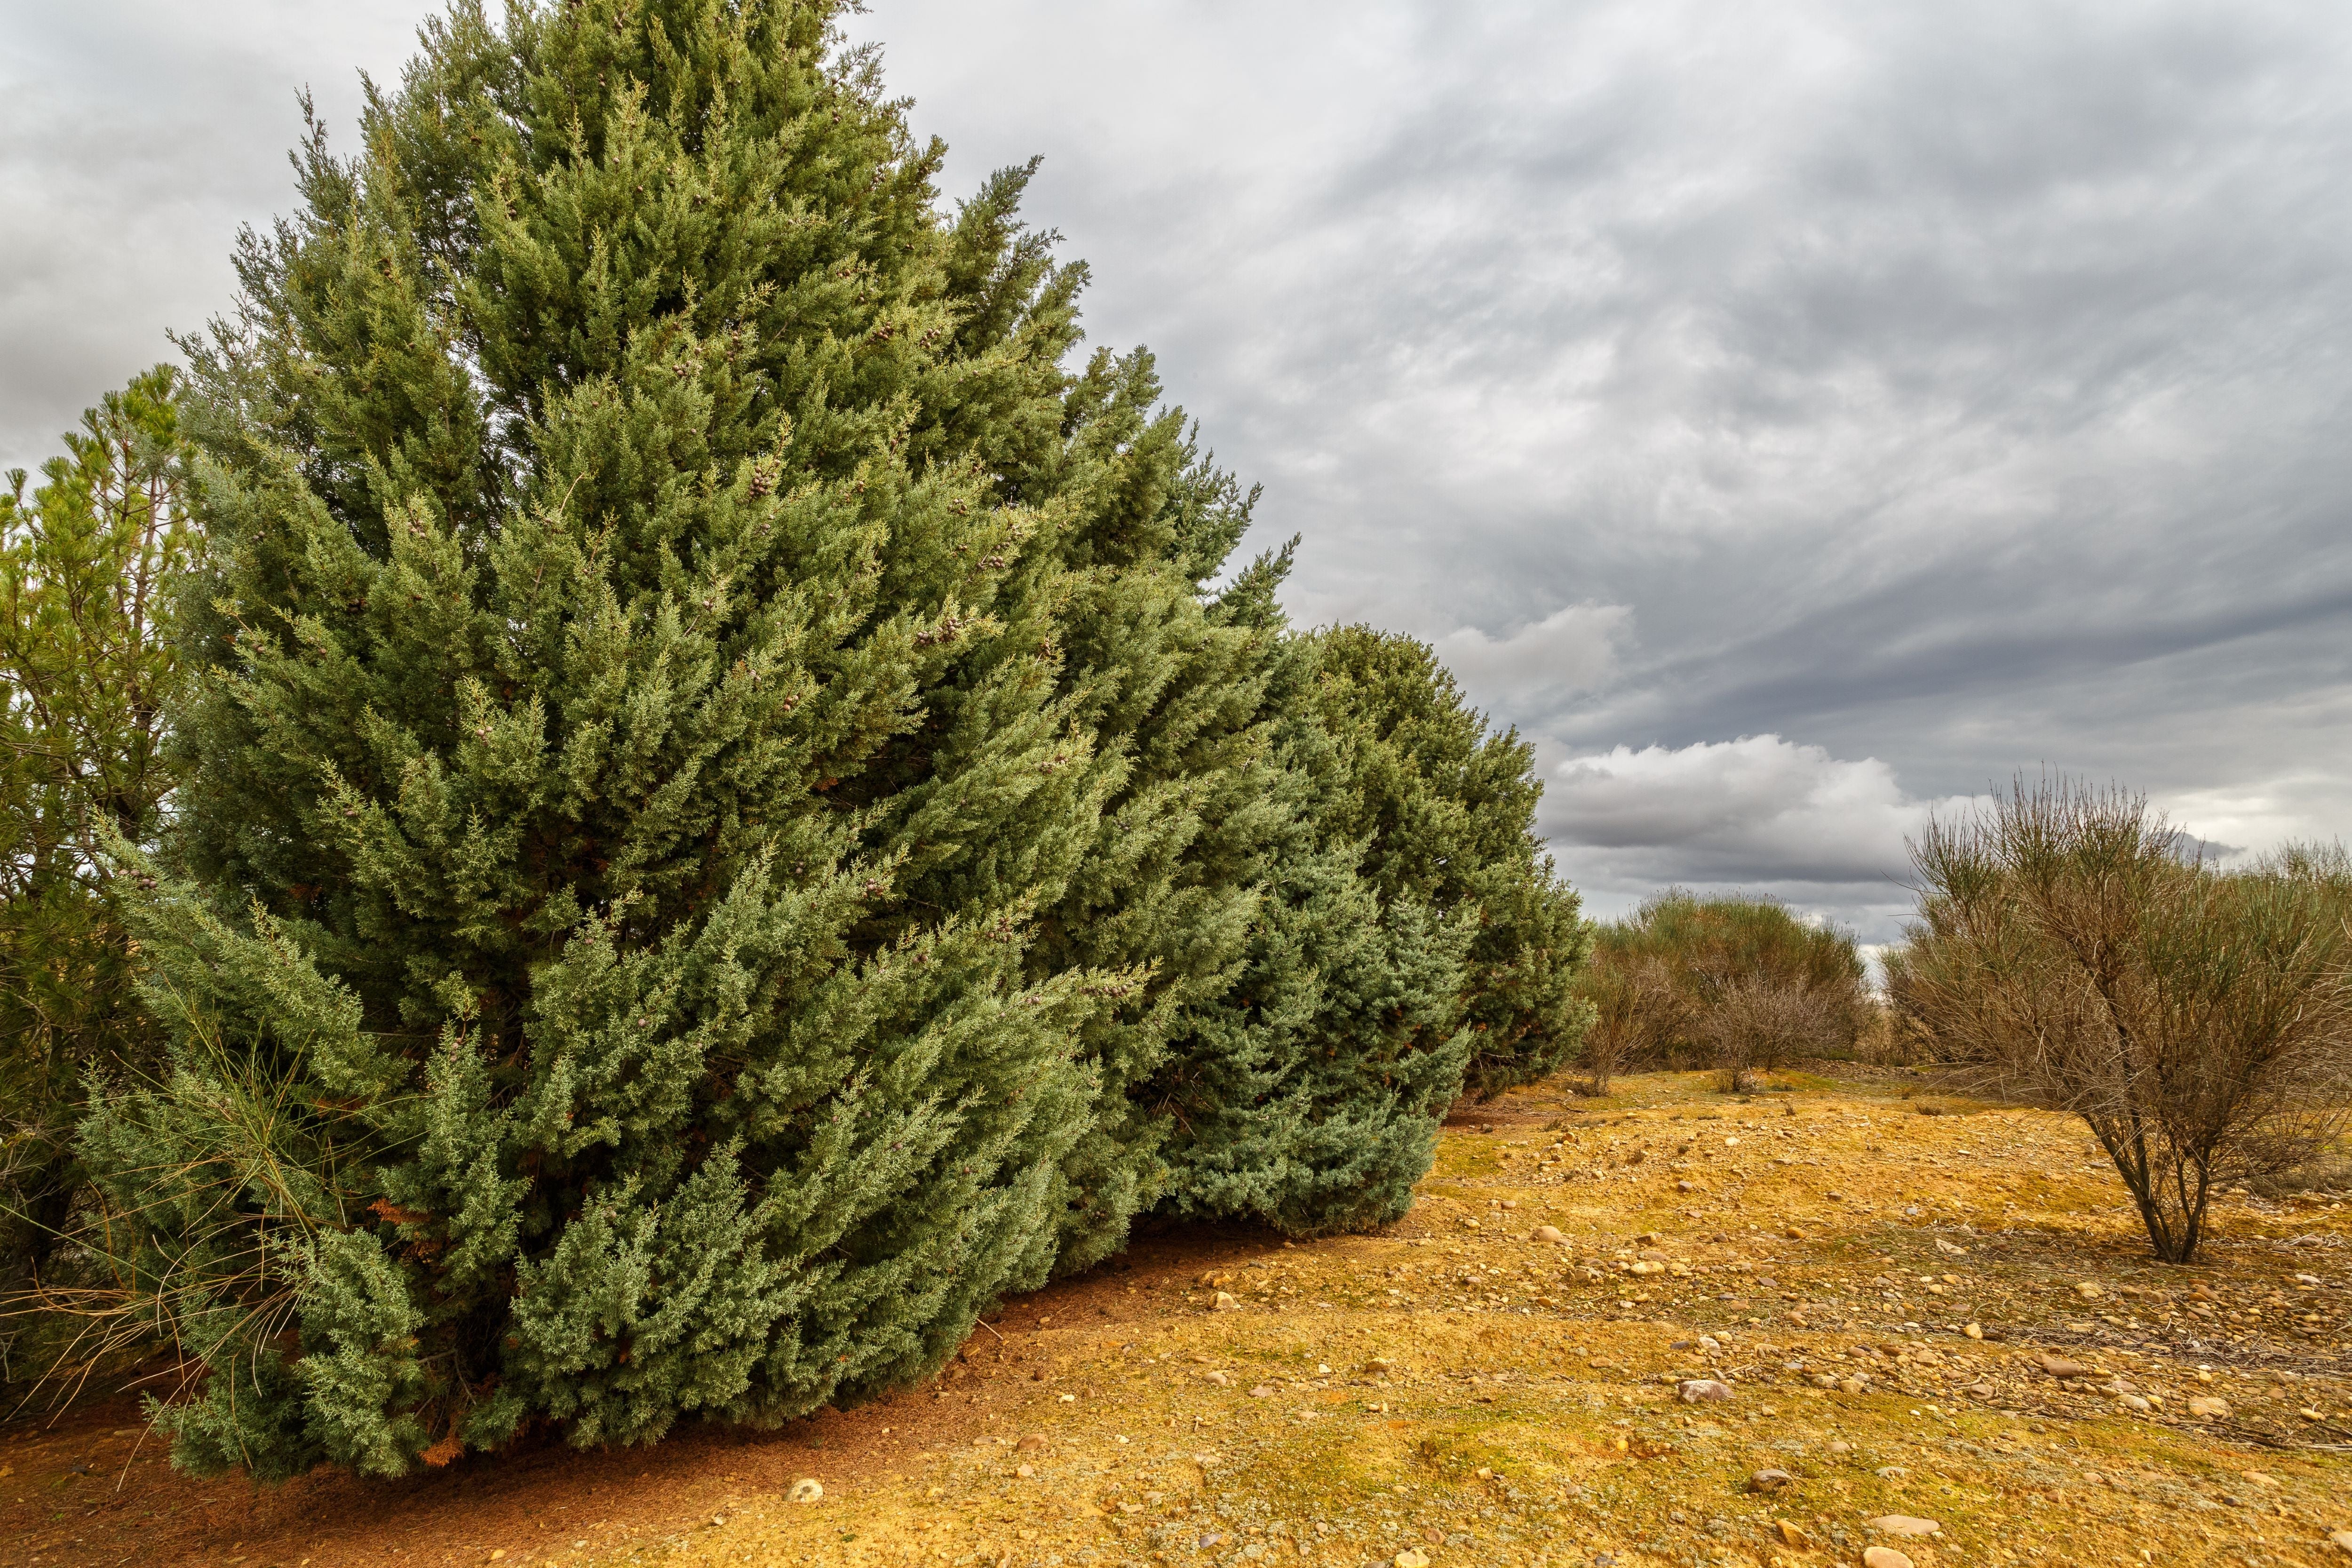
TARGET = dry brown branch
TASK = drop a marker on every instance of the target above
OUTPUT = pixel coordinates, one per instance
(2069, 956)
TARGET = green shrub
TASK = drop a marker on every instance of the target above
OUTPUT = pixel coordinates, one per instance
(1734, 982)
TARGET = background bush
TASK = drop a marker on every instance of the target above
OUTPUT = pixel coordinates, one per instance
(1733, 982)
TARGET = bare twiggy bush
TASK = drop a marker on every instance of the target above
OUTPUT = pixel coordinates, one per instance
(2069, 954)
(1637, 1011)
(1757, 1022)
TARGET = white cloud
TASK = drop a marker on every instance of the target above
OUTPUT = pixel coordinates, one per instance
(2243, 822)
(1761, 812)
(135, 136)
(1569, 651)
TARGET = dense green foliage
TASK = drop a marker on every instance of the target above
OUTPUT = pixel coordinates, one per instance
(1447, 812)
(87, 562)
(1413, 944)
(1727, 981)
(724, 825)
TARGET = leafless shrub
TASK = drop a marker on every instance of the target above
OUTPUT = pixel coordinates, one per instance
(2069, 955)
(1638, 1010)
(1757, 1022)
(2326, 1173)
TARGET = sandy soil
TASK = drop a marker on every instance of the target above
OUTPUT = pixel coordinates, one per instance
(1947, 1317)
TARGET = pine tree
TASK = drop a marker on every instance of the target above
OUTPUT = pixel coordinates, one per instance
(86, 570)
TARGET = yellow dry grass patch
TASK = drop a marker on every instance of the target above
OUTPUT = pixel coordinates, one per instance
(1454, 1389)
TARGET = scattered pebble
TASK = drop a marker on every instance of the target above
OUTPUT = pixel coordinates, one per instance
(1693, 1390)
(1884, 1557)
(2206, 1407)
(1549, 1235)
(1411, 1558)
(1031, 1443)
(1770, 1481)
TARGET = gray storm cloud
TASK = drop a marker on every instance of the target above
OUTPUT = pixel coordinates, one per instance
(1792, 417)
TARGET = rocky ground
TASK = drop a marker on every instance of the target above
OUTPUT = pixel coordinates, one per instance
(1849, 1322)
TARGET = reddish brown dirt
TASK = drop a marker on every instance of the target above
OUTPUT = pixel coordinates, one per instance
(92, 1486)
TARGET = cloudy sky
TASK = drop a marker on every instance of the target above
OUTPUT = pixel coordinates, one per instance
(1795, 417)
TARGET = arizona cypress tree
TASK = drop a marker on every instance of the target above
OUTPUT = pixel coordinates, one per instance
(1308, 1095)
(725, 828)
(1412, 943)
(630, 748)
(1447, 808)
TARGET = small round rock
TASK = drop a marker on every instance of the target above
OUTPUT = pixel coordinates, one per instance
(805, 1490)
(1692, 1391)
(1549, 1235)
(1770, 1481)
(1884, 1557)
